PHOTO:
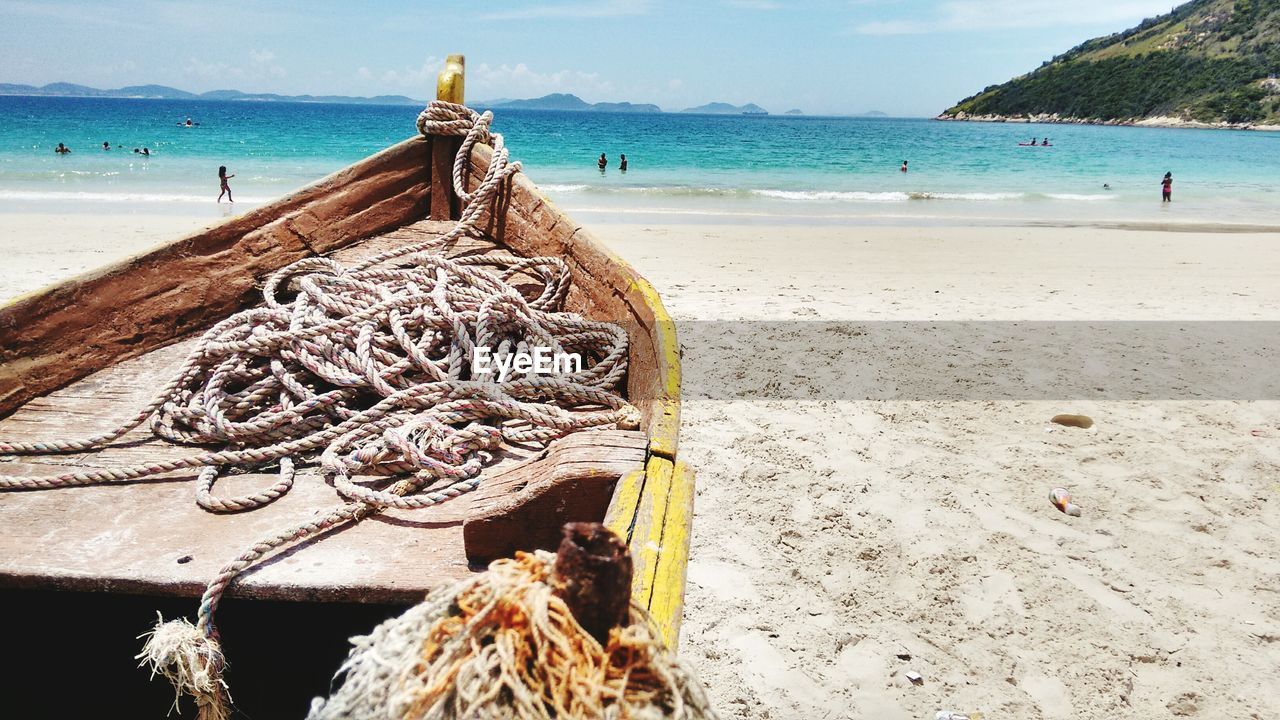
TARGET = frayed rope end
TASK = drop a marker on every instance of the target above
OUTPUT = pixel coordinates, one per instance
(191, 661)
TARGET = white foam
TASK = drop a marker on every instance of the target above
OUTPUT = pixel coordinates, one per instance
(1084, 198)
(811, 195)
(979, 197)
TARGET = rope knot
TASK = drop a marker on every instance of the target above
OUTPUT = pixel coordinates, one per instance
(446, 118)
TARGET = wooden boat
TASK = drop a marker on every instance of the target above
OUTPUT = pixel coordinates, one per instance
(85, 566)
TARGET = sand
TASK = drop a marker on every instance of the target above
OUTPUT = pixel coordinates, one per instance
(872, 496)
(839, 543)
(41, 249)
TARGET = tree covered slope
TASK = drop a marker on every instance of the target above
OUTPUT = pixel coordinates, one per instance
(1208, 61)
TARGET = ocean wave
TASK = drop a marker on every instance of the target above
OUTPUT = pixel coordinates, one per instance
(28, 195)
(552, 187)
(858, 196)
(975, 196)
(819, 196)
(828, 195)
(1083, 198)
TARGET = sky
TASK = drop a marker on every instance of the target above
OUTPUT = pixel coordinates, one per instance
(901, 57)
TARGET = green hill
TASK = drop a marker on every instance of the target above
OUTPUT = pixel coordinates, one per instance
(1208, 61)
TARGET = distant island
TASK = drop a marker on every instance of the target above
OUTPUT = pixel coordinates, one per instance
(874, 113)
(719, 108)
(162, 92)
(794, 111)
(1209, 63)
(554, 101)
(567, 102)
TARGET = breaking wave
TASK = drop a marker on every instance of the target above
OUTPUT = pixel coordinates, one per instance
(820, 196)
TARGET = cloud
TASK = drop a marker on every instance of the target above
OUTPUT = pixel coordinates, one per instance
(979, 15)
(519, 80)
(421, 78)
(599, 9)
(260, 67)
(485, 81)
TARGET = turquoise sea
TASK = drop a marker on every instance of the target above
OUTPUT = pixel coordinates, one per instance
(754, 168)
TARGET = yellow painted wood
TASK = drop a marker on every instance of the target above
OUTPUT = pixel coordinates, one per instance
(666, 604)
(646, 534)
(450, 83)
(621, 515)
(664, 431)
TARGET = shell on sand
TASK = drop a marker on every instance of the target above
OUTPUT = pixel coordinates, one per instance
(1080, 421)
(1061, 499)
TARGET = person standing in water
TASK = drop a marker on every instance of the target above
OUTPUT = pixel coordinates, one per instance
(603, 162)
(62, 149)
(622, 163)
(904, 166)
(1166, 188)
(106, 145)
(226, 189)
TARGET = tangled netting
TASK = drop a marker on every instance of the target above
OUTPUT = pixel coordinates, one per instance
(367, 369)
(503, 645)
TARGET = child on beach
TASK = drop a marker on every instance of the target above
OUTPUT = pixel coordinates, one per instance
(1166, 186)
(226, 189)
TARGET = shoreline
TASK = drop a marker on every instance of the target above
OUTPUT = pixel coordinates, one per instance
(1164, 121)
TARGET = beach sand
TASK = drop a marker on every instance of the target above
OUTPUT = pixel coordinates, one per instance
(857, 518)
(839, 543)
(40, 249)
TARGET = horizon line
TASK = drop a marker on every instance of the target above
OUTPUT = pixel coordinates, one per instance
(372, 100)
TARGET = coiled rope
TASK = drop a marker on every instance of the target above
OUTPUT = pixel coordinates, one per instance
(368, 368)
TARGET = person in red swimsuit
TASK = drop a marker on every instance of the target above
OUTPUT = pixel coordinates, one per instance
(1167, 187)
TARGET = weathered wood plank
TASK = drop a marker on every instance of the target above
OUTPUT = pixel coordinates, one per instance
(150, 537)
(444, 201)
(666, 603)
(570, 482)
